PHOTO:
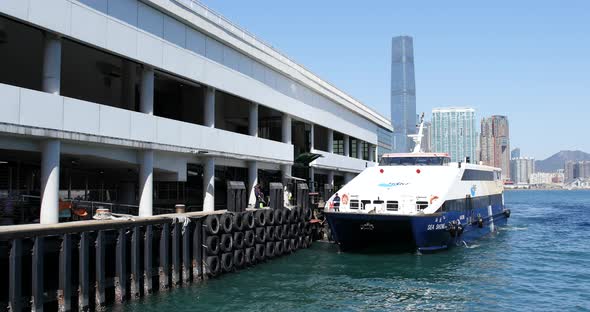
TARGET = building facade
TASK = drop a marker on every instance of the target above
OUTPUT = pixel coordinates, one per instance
(495, 144)
(403, 93)
(577, 169)
(453, 131)
(384, 138)
(522, 169)
(152, 103)
(515, 153)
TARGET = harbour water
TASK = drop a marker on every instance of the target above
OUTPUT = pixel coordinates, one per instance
(540, 262)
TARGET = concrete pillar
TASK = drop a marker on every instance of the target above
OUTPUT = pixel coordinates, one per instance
(52, 64)
(371, 152)
(253, 120)
(312, 138)
(312, 179)
(331, 177)
(210, 107)
(209, 184)
(146, 104)
(359, 149)
(50, 153)
(346, 145)
(330, 141)
(285, 172)
(146, 183)
(252, 182)
(286, 131)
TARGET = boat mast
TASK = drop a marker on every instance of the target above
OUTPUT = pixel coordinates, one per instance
(418, 137)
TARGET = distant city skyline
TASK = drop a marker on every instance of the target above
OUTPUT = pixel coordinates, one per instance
(501, 57)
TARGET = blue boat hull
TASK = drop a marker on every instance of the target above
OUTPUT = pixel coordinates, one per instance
(424, 233)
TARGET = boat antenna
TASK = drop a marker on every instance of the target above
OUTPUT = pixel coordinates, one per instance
(418, 137)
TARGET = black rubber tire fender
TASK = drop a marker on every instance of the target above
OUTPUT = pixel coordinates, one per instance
(227, 222)
(278, 248)
(227, 262)
(269, 215)
(294, 230)
(270, 249)
(249, 238)
(270, 233)
(308, 214)
(226, 242)
(248, 220)
(239, 258)
(211, 245)
(250, 255)
(286, 215)
(294, 246)
(212, 265)
(260, 252)
(308, 241)
(286, 231)
(294, 215)
(260, 235)
(286, 245)
(278, 216)
(278, 232)
(238, 221)
(259, 219)
(211, 224)
(238, 240)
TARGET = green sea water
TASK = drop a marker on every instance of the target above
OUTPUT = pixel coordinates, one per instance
(539, 262)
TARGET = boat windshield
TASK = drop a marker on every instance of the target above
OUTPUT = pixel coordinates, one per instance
(414, 161)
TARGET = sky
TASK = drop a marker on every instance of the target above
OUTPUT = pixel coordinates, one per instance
(529, 60)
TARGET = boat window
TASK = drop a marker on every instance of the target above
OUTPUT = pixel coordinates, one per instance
(378, 202)
(413, 161)
(477, 175)
(364, 203)
(392, 205)
(421, 205)
(354, 204)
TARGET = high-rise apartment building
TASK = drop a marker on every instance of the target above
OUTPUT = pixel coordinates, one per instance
(522, 169)
(403, 93)
(495, 144)
(515, 153)
(453, 132)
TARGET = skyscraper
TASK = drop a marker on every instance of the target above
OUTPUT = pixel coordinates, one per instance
(522, 169)
(453, 132)
(495, 144)
(403, 93)
(515, 153)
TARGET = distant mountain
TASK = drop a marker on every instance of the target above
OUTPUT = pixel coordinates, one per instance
(558, 160)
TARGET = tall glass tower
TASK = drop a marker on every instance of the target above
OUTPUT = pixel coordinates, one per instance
(453, 132)
(403, 93)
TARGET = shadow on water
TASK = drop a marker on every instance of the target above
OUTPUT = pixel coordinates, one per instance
(540, 261)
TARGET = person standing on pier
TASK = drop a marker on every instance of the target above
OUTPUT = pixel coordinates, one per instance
(336, 202)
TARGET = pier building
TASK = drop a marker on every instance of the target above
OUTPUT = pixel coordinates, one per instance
(146, 104)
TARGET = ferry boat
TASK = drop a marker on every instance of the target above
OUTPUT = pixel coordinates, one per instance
(417, 201)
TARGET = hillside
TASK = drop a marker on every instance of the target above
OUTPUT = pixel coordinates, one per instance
(558, 160)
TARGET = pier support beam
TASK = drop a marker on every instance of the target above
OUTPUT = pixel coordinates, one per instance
(312, 178)
(252, 182)
(50, 150)
(209, 184)
(312, 138)
(285, 172)
(359, 149)
(146, 104)
(331, 177)
(146, 183)
(371, 152)
(209, 115)
(346, 145)
(253, 120)
(52, 64)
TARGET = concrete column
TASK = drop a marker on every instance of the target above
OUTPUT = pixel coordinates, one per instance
(52, 64)
(252, 182)
(210, 107)
(359, 149)
(312, 178)
(286, 131)
(50, 151)
(146, 104)
(346, 145)
(285, 171)
(371, 152)
(311, 139)
(209, 184)
(330, 141)
(331, 177)
(146, 183)
(253, 120)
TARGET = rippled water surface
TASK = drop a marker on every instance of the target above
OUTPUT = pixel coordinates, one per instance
(540, 261)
